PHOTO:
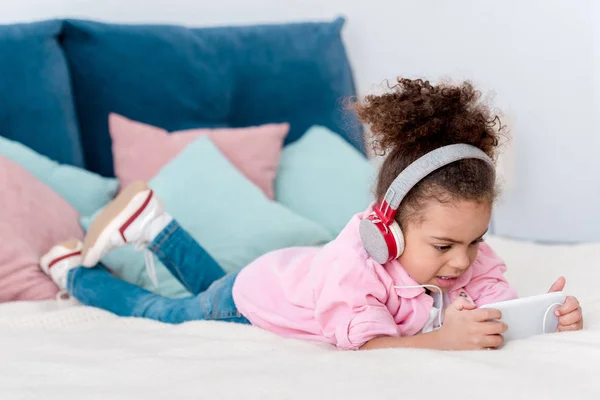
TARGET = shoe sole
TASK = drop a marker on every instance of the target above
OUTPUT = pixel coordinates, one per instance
(113, 219)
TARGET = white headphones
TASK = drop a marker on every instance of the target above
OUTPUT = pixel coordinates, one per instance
(380, 233)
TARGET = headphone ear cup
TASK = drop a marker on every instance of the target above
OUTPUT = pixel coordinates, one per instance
(373, 239)
(383, 243)
(399, 237)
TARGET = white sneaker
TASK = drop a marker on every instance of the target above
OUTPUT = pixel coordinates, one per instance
(60, 260)
(135, 217)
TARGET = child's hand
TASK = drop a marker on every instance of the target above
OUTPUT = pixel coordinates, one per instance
(570, 317)
(468, 328)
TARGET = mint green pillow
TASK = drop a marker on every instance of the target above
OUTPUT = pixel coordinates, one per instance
(222, 210)
(324, 179)
(84, 190)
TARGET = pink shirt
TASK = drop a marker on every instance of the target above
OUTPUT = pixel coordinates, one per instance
(340, 295)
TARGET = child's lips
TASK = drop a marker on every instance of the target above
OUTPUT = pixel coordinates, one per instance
(446, 281)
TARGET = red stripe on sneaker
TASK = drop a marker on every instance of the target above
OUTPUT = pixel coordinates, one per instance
(59, 259)
(134, 216)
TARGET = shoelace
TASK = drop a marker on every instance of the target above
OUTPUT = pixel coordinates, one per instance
(149, 262)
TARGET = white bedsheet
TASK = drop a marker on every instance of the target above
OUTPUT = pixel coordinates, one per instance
(66, 351)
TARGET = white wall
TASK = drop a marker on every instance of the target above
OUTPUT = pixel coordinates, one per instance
(539, 56)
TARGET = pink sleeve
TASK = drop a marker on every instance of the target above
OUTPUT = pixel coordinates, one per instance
(488, 284)
(350, 306)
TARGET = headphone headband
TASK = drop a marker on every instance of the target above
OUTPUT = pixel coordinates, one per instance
(427, 164)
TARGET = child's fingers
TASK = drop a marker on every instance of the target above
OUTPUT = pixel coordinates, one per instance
(573, 327)
(571, 318)
(492, 341)
(486, 314)
(493, 327)
(462, 304)
(571, 304)
(558, 285)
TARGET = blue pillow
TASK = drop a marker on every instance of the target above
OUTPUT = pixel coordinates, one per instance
(324, 179)
(36, 106)
(82, 189)
(200, 188)
(209, 77)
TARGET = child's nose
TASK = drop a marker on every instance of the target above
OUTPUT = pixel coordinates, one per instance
(461, 261)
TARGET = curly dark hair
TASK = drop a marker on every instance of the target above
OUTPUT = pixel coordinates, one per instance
(416, 117)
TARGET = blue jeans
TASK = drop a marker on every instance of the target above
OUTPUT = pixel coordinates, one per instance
(187, 261)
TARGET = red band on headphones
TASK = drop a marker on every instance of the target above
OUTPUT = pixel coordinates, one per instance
(383, 217)
(385, 213)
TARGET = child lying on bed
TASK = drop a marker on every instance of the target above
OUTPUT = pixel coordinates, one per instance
(410, 271)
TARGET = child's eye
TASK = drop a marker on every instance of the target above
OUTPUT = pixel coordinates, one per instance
(476, 242)
(442, 248)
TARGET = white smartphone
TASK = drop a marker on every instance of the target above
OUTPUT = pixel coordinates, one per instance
(529, 316)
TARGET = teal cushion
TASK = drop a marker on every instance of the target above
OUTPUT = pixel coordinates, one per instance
(324, 179)
(84, 190)
(222, 210)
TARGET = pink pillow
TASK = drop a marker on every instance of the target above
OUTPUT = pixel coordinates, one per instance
(33, 218)
(141, 150)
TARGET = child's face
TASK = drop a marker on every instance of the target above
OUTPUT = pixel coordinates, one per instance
(444, 245)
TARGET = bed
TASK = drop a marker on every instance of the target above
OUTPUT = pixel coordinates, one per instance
(61, 350)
